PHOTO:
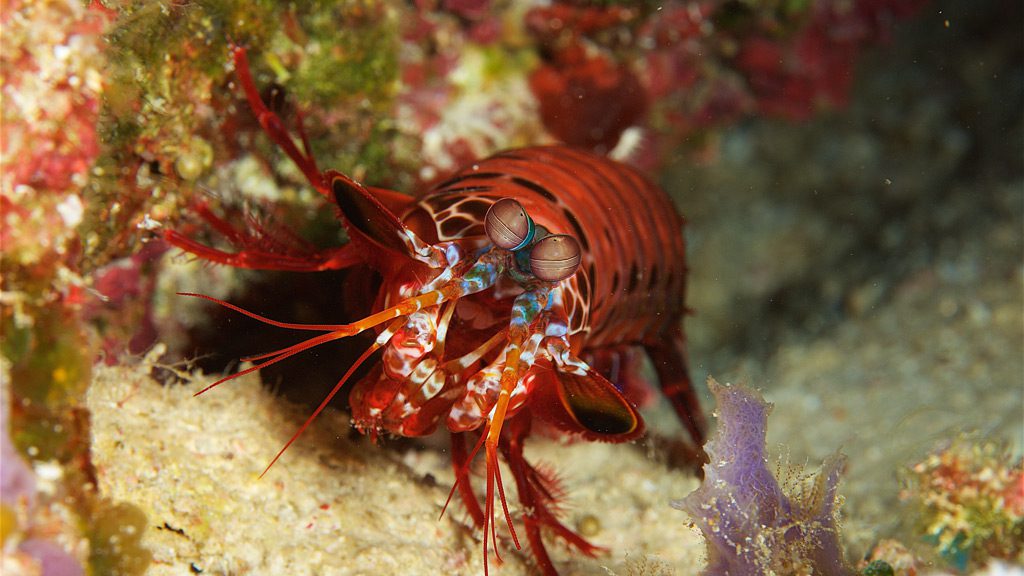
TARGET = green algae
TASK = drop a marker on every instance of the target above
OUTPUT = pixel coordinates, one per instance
(354, 55)
(51, 364)
(115, 537)
(173, 110)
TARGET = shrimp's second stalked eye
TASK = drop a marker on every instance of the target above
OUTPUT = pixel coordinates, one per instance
(555, 258)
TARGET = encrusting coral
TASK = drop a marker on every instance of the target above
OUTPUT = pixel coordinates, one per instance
(752, 525)
(970, 500)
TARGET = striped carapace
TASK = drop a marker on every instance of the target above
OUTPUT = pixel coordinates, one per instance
(469, 335)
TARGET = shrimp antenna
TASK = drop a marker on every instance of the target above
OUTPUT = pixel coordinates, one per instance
(369, 351)
(333, 332)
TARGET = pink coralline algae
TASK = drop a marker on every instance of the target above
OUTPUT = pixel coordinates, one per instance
(51, 93)
(753, 525)
(691, 67)
(50, 70)
(122, 310)
(588, 101)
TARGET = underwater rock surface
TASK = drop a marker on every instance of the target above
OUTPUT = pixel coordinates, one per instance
(328, 507)
(332, 505)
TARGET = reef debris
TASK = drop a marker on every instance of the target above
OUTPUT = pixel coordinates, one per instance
(970, 501)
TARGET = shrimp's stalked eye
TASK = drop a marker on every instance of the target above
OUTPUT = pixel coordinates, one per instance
(555, 257)
(508, 225)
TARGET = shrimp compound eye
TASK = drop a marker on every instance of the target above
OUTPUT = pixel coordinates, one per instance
(508, 225)
(555, 258)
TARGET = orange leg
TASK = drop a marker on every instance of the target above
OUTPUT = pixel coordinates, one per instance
(669, 359)
(509, 378)
(460, 462)
(538, 494)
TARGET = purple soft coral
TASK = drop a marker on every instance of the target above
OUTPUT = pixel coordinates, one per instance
(750, 524)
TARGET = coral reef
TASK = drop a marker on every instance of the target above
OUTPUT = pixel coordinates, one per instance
(169, 119)
(751, 523)
(884, 188)
(139, 119)
(969, 498)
